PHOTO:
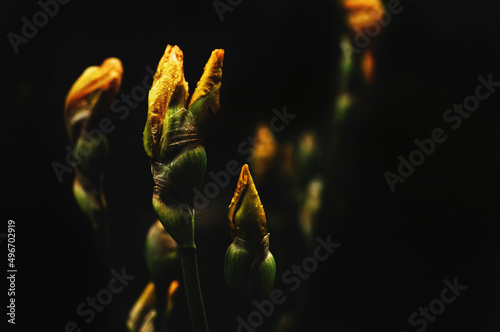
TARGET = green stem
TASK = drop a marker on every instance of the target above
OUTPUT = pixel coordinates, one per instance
(193, 289)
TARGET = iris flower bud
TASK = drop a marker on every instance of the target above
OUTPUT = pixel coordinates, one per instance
(249, 264)
(87, 102)
(90, 96)
(238, 263)
(247, 218)
(163, 259)
(262, 277)
(362, 16)
(173, 138)
(162, 254)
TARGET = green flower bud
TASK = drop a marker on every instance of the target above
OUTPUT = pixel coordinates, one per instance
(173, 190)
(247, 218)
(162, 254)
(178, 222)
(262, 277)
(238, 263)
(86, 104)
(249, 264)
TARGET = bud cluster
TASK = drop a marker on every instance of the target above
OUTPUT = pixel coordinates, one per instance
(173, 139)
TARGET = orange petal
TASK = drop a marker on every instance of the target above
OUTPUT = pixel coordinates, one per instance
(106, 77)
(368, 65)
(169, 90)
(205, 99)
(362, 13)
(141, 308)
(246, 211)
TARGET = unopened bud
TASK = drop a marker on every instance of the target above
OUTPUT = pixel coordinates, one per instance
(262, 277)
(172, 139)
(238, 263)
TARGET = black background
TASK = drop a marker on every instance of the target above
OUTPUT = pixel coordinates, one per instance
(397, 248)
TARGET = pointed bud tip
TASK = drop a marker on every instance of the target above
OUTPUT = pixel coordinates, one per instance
(206, 95)
(246, 211)
(240, 187)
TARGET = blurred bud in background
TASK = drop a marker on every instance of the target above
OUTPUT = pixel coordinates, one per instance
(264, 152)
(87, 104)
(145, 315)
(364, 18)
(153, 309)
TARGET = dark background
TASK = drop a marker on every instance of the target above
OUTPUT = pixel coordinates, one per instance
(397, 248)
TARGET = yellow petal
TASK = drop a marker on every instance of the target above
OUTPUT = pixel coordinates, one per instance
(362, 13)
(205, 99)
(246, 211)
(141, 308)
(169, 90)
(106, 77)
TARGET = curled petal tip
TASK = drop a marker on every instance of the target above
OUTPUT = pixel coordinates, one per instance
(168, 91)
(106, 77)
(205, 100)
(240, 187)
(95, 87)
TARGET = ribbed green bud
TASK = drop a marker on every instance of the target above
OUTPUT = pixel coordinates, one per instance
(262, 277)
(238, 263)
(178, 222)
